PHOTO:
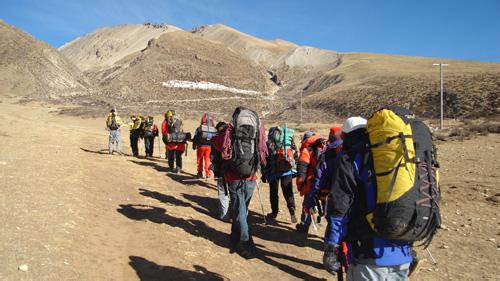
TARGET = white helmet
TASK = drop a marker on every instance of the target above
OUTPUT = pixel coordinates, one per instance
(353, 123)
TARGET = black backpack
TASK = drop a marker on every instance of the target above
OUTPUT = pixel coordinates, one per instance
(245, 139)
(113, 125)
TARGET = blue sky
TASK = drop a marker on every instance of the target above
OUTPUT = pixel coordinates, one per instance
(440, 28)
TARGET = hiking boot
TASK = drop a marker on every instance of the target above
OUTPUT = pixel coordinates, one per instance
(271, 217)
(245, 250)
(178, 170)
(200, 175)
(302, 228)
(293, 218)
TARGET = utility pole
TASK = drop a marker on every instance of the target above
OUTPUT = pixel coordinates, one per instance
(441, 74)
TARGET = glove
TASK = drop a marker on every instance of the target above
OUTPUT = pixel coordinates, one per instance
(330, 258)
(194, 146)
(263, 179)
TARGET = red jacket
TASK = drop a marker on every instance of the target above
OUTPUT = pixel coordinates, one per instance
(171, 146)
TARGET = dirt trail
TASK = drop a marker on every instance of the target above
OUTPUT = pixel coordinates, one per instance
(70, 211)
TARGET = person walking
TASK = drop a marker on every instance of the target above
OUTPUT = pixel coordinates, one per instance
(174, 139)
(222, 189)
(135, 133)
(371, 256)
(281, 169)
(113, 124)
(203, 145)
(150, 133)
(243, 147)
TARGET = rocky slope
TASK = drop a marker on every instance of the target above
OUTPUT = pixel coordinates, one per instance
(32, 69)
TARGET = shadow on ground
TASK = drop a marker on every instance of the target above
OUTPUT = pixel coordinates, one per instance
(201, 229)
(148, 270)
(182, 178)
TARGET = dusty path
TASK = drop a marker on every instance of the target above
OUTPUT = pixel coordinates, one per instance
(71, 212)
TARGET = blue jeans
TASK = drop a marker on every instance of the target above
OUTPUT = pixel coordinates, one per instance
(241, 194)
(114, 138)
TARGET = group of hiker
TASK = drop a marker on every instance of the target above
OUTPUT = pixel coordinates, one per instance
(374, 182)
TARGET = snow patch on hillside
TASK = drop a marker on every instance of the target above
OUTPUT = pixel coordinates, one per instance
(203, 85)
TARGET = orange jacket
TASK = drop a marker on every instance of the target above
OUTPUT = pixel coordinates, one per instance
(308, 160)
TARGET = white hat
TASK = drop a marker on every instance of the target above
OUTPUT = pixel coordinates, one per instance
(353, 123)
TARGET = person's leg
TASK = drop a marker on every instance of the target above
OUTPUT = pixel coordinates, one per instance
(223, 198)
(373, 272)
(287, 189)
(199, 161)
(246, 233)
(305, 221)
(118, 140)
(237, 201)
(151, 145)
(399, 272)
(134, 139)
(273, 198)
(206, 160)
(146, 144)
(178, 161)
(171, 158)
(110, 142)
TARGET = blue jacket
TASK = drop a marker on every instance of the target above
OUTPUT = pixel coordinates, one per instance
(324, 173)
(352, 196)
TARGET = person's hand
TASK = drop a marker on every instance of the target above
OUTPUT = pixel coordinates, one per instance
(263, 179)
(330, 258)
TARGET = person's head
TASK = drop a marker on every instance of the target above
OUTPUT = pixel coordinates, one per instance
(133, 117)
(335, 133)
(220, 126)
(113, 112)
(151, 118)
(353, 128)
(307, 135)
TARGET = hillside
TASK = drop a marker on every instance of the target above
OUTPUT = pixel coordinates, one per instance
(105, 46)
(131, 62)
(363, 82)
(32, 69)
(141, 79)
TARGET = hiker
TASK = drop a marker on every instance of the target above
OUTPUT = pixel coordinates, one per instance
(150, 133)
(310, 149)
(243, 147)
(315, 200)
(373, 257)
(135, 133)
(280, 169)
(222, 189)
(174, 139)
(113, 124)
(203, 145)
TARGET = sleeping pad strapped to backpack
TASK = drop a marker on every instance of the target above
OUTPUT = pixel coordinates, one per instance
(280, 140)
(245, 158)
(407, 180)
(174, 130)
(208, 130)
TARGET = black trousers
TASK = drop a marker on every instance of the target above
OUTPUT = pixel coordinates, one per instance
(134, 139)
(174, 156)
(287, 189)
(149, 142)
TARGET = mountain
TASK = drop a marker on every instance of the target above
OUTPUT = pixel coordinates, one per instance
(154, 66)
(105, 46)
(168, 67)
(32, 69)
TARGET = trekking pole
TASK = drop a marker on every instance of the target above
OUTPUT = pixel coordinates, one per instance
(430, 255)
(314, 223)
(260, 201)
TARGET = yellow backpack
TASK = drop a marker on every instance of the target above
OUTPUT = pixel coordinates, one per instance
(407, 179)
